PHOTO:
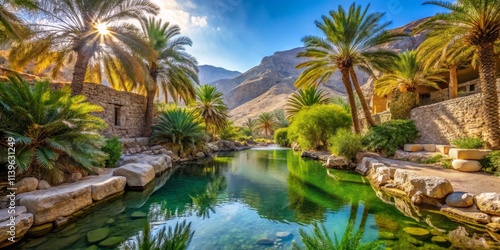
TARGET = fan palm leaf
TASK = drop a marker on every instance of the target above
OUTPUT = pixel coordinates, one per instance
(305, 98)
(211, 107)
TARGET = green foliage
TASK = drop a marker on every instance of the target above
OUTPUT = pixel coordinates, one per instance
(178, 129)
(305, 98)
(312, 126)
(263, 140)
(230, 132)
(51, 128)
(281, 120)
(266, 123)
(320, 239)
(250, 127)
(401, 104)
(434, 159)
(211, 107)
(389, 136)
(491, 163)
(341, 101)
(177, 238)
(346, 143)
(468, 143)
(114, 150)
(281, 137)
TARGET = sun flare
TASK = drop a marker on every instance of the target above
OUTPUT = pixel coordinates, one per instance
(102, 28)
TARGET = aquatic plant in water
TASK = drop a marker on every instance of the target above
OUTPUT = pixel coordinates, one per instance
(177, 238)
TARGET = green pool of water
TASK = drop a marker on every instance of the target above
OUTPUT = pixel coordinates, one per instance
(242, 197)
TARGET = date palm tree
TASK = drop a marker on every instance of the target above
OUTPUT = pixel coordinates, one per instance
(476, 23)
(93, 35)
(305, 97)
(250, 126)
(351, 40)
(266, 123)
(172, 70)
(211, 107)
(12, 27)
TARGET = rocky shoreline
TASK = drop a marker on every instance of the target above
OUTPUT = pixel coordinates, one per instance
(41, 208)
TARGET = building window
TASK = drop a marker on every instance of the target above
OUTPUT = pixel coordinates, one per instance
(117, 115)
(472, 88)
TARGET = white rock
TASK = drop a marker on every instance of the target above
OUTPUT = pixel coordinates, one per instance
(466, 165)
(460, 199)
(488, 203)
(137, 174)
(109, 187)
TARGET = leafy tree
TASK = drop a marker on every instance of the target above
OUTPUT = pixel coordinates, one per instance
(172, 70)
(407, 74)
(179, 129)
(352, 39)
(266, 123)
(211, 107)
(52, 129)
(93, 35)
(476, 23)
(12, 27)
(313, 126)
(177, 238)
(305, 97)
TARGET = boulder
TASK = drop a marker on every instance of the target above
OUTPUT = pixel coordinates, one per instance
(224, 145)
(49, 204)
(338, 162)
(468, 154)
(495, 219)
(430, 186)
(97, 235)
(413, 147)
(22, 224)
(142, 141)
(443, 149)
(200, 155)
(157, 147)
(138, 175)
(26, 185)
(466, 165)
(109, 187)
(160, 163)
(460, 199)
(5, 215)
(74, 177)
(43, 184)
(488, 203)
(494, 227)
(471, 214)
(365, 165)
(429, 147)
(420, 199)
(381, 175)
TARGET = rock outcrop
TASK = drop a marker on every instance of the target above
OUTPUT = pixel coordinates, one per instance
(138, 175)
(14, 229)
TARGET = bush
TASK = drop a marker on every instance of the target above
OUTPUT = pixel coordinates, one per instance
(389, 136)
(313, 126)
(229, 132)
(281, 137)
(263, 140)
(346, 143)
(114, 150)
(54, 131)
(491, 163)
(179, 130)
(468, 143)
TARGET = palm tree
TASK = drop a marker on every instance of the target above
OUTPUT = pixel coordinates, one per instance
(281, 119)
(250, 125)
(12, 27)
(211, 107)
(476, 23)
(173, 70)
(305, 97)
(266, 123)
(406, 75)
(351, 39)
(92, 34)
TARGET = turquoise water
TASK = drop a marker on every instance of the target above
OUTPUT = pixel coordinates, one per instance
(242, 197)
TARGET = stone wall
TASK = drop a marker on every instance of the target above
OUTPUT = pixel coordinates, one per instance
(442, 122)
(124, 112)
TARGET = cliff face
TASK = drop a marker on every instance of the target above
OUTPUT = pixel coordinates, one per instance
(209, 74)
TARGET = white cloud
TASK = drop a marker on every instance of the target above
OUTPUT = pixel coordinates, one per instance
(174, 12)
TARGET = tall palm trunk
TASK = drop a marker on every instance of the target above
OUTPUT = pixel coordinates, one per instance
(487, 69)
(150, 108)
(350, 96)
(80, 69)
(362, 99)
(453, 86)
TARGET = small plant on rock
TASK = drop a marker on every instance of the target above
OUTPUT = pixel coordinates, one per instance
(468, 143)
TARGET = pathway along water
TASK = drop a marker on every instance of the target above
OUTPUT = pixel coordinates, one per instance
(243, 197)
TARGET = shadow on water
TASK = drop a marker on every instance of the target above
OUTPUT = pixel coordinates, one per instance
(256, 196)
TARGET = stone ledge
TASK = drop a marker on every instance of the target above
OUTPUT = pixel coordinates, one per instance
(468, 154)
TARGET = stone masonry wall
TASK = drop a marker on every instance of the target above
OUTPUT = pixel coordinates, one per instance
(128, 108)
(442, 122)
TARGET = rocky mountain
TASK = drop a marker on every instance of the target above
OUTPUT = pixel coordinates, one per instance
(266, 87)
(209, 74)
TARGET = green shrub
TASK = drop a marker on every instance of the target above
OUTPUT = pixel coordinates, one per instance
(313, 126)
(263, 140)
(230, 132)
(491, 163)
(389, 136)
(468, 143)
(54, 131)
(281, 137)
(432, 160)
(346, 143)
(114, 150)
(179, 130)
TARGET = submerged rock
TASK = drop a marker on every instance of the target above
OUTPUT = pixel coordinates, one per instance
(111, 242)
(265, 242)
(284, 235)
(97, 235)
(138, 214)
(440, 241)
(417, 232)
(386, 236)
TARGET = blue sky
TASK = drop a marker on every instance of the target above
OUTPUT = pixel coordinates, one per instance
(237, 34)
